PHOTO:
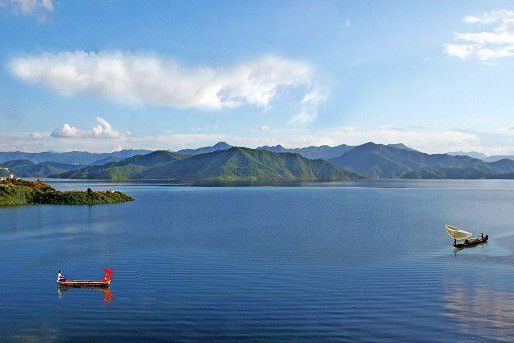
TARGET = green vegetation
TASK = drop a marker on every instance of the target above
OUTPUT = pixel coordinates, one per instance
(127, 169)
(223, 164)
(233, 165)
(248, 165)
(22, 192)
(26, 168)
(386, 161)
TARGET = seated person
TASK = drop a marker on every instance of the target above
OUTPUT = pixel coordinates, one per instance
(60, 276)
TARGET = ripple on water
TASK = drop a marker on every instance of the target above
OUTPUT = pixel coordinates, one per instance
(295, 264)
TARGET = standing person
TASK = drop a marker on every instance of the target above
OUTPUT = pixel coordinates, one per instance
(60, 276)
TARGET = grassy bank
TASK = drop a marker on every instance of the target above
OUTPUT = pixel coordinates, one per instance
(22, 192)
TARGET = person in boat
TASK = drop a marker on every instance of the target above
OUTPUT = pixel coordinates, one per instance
(466, 241)
(60, 276)
(482, 235)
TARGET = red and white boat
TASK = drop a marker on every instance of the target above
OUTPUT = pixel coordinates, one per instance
(89, 283)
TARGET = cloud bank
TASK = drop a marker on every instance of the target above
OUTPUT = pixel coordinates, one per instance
(101, 129)
(151, 80)
(495, 142)
(486, 46)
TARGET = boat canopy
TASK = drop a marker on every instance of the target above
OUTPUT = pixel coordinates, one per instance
(456, 233)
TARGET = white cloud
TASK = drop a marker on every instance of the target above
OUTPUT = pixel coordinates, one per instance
(37, 135)
(265, 128)
(431, 141)
(304, 116)
(309, 106)
(422, 139)
(68, 131)
(490, 17)
(29, 7)
(151, 80)
(497, 42)
(101, 129)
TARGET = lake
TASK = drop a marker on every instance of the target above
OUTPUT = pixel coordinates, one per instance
(356, 262)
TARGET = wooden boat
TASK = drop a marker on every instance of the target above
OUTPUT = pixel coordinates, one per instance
(84, 283)
(471, 242)
(464, 239)
(106, 282)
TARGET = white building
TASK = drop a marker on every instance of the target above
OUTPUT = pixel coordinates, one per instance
(6, 174)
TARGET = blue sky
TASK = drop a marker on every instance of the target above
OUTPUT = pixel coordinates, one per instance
(105, 75)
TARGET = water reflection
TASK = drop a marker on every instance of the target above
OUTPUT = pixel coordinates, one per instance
(108, 295)
(480, 311)
(476, 248)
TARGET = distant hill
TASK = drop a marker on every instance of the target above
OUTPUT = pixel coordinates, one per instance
(26, 168)
(126, 169)
(311, 152)
(324, 152)
(504, 165)
(401, 146)
(495, 158)
(225, 162)
(382, 161)
(204, 150)
(473, 154)
(483, 157)
(72, 157)
(230, 165)
(506, 176)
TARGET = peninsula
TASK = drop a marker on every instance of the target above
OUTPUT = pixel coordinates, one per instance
(22, 192)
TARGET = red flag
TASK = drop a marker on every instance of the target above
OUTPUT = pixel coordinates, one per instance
(108, 274)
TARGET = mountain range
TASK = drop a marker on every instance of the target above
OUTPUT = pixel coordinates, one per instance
(223, 162)
(383, 161)
(71, 157)
(312, 152)
(27, 168)
(323, 152)
(216, 147)
(127, 169)
(483, 157)
(235, 164)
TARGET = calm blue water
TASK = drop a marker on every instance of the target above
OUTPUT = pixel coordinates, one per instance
(370, 262)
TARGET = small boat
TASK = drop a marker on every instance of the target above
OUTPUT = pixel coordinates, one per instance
(89, 283)
(464, 239)
(472, 242)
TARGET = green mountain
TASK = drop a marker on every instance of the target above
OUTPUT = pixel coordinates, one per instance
(26, 168)
(506, 176)
(126, 169)
(230, 165)
(382, 161)
(324, 152)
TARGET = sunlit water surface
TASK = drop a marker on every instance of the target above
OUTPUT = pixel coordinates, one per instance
(367, 261)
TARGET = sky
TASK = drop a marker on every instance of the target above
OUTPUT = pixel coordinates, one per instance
(109, 75)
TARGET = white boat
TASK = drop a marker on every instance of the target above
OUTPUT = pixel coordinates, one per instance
(462, 238)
